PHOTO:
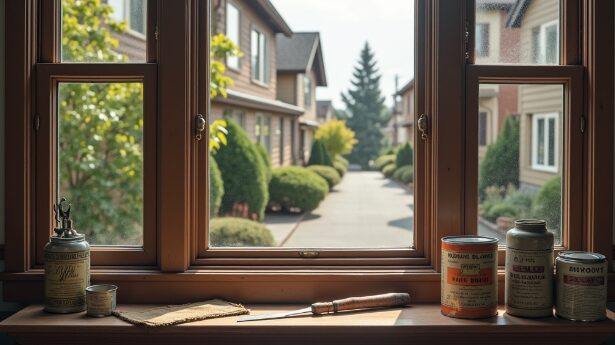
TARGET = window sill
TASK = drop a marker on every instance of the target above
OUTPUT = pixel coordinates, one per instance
(417, 324)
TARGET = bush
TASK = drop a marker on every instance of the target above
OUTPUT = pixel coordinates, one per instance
(216, 188)
(262, 151)
(500, 167)
(342, 160)
(389, 169)
(404, 174)
(336, 137)
(296, 188)
(340, 168)
(383, 161)
(548, 203)
(328, 173)
(405, 156)
(243, 172)
(506, 202)
(319, 155)
(239, 232)
(501, 210)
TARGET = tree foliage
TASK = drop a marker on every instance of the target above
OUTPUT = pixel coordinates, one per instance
(367, 114)
(500, 167)
(220, 48)
(319, 154)
(337, 138)
(405, 155)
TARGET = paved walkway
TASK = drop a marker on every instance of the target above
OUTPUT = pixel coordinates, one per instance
(364, 210)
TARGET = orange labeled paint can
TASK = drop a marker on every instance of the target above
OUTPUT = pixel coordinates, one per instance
(469, 285)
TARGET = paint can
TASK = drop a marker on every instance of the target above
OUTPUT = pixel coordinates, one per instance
(100, 299)
(469, 277)
(581, 286)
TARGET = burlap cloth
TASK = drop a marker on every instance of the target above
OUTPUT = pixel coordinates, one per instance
(182, 313)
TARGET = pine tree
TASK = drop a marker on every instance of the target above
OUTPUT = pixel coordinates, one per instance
(367, 114)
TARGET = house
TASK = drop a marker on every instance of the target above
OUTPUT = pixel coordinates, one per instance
(540, 106)
(325, 111)
(300, 69)
(405, 121)
(132, 42)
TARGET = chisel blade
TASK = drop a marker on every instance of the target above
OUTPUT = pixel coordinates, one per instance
(275, 315)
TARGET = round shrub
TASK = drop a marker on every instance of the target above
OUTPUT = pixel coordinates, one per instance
(389, 169)
(405, 155)
(383, 161)
(239, 232)
(216, 187)
(262, 151)
(548, 203)
(340, 168)
(501, 210)
(404, 174)
(342, 160)
(328, 173)
(319, 155)
(296, 188)
(243, 172)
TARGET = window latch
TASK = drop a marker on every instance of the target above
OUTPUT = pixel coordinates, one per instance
(423, 125)
(200, 124)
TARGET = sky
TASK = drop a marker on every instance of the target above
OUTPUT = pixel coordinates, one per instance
(344, 26)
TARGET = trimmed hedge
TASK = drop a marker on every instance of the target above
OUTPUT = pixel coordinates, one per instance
(405, 156)
(342, 160)
(389, 169)
(216, 188)
(328, 173)
(319, 155)
(296, 188)
(262, 151)
(548, 203)
(239, 232)
(404, 174)
(383, 161)
(340, 168)
(501, 210)
(244, 173)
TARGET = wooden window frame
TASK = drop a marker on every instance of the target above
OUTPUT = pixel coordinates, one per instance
(181, 276)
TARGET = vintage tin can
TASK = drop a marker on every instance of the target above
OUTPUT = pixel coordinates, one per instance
(67, 266)
(469, 277)
(581, 286)
(529, 269)
(100, 300)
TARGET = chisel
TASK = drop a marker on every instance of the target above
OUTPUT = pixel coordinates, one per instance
(352, 303)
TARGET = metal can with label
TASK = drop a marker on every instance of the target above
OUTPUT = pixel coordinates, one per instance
(67, 266)
(581, 286)
(100, 299)
(469, 277)
(529, 269)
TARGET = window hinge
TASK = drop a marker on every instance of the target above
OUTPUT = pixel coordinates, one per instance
(582, 124)
(200, 125)
(467, 41)
(423, 126)
(36, 122)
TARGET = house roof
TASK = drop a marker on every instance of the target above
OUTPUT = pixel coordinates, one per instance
(406, 88)
(322, 107)
(266, 9)
(301, 53)
(254, 102)
(495, 4)
(516, 13)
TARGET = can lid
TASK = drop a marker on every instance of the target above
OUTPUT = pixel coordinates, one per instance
(582, 257)
(538, 225)
(469, 239)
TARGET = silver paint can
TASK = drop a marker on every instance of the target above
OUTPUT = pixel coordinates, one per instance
(101, 299)
(581, 286)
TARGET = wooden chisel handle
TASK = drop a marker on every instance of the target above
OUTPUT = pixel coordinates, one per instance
(365, 302)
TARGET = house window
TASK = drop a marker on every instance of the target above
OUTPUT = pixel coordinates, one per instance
(482, 39)
(282, 144)
(262, 131)
(238, 116)
(545, 40)
(133, 12)
(482, 128)
(232, 32)
(544, 141)
(307, 91)
(260, 58)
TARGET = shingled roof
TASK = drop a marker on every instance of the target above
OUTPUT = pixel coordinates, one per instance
(301, 53)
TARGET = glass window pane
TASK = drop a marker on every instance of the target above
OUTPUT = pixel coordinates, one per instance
(232, 32)
(519, 32)
(520, 172)
(100, 159)
(339, 195)
(99, 31)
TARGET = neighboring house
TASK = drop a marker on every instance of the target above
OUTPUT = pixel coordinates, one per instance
(405, 121)
(253, 99)
(540, 106)
(132, 42)
(300, 69)
(325, 111)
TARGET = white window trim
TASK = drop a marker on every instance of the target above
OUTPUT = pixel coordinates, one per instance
(487, 39)
(545, 167)
(264, 61)
(236, 67)
(542, 41)
(126, 18)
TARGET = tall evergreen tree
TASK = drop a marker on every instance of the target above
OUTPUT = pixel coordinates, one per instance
(367, 114)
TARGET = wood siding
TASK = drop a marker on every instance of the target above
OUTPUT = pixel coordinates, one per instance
(287, 87)
(537, 13)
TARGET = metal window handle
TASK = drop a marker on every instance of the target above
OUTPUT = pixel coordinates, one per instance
(200, 125)
(423, 126)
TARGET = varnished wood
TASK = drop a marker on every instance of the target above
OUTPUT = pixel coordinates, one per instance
(417, 324)
(388, 300)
